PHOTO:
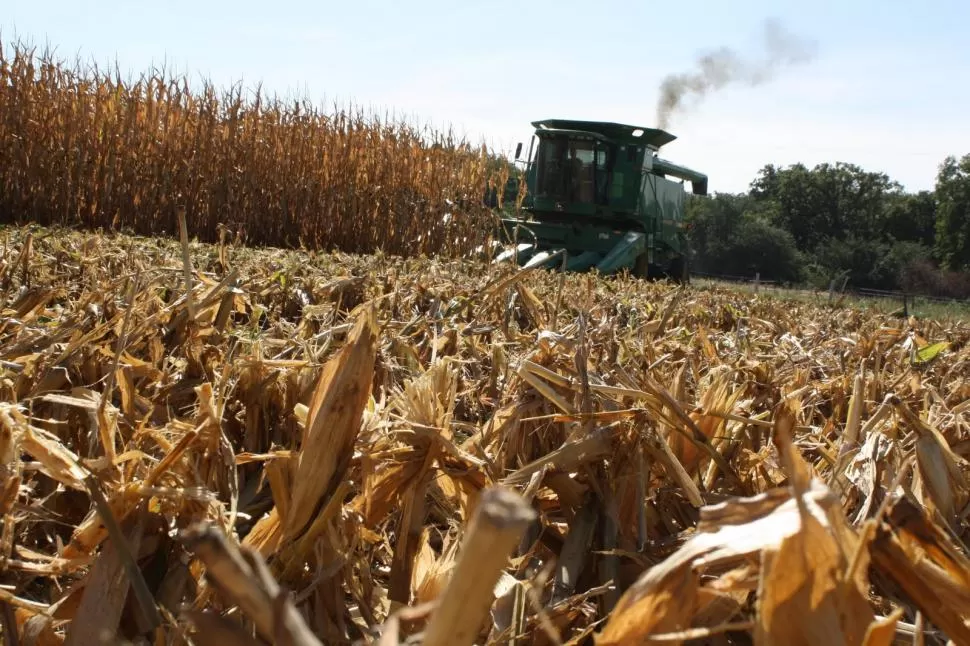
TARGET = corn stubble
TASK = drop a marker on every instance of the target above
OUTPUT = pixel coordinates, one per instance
(339, 449)
(83, 146)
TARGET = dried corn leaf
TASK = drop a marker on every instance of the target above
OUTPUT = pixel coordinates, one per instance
(341, 417)
(333, 423)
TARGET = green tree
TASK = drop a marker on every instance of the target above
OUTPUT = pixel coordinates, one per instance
(711, 221)
(902, 259)
(839, 220)
(953, 213)
(828, 201)
(911, 217)
(757, 246)
(734, 235)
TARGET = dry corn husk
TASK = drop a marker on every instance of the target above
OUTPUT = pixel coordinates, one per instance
(352, 449)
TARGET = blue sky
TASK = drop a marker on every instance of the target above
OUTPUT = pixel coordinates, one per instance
(886, 89)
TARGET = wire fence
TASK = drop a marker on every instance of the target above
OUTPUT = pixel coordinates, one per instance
(836, 289)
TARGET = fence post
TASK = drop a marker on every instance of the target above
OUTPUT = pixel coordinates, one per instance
(757, 281)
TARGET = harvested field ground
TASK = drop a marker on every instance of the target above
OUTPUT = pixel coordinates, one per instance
(446, 453)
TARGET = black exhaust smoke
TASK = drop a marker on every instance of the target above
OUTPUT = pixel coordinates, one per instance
(724, 66)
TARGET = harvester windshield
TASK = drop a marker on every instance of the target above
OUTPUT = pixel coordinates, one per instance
(573, 169)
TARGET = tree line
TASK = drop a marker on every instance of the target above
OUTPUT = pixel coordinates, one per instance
(808, 226)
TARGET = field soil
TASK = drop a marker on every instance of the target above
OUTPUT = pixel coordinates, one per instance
(214, 444)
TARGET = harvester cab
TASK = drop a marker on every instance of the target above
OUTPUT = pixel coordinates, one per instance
(599, 196)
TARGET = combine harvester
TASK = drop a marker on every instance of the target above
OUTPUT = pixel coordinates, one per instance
(598, 197)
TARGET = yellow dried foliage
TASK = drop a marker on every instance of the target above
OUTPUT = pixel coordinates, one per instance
(81, 145)
(343, 449)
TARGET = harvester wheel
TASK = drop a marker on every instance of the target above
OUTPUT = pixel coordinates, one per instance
(641, 268)
(678, 271)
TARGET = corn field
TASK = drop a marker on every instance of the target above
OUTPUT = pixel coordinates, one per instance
(83, 147)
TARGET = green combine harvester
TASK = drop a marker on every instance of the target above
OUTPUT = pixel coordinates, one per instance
(598, 197)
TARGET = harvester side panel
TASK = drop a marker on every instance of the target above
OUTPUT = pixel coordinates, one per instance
(662, 204)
